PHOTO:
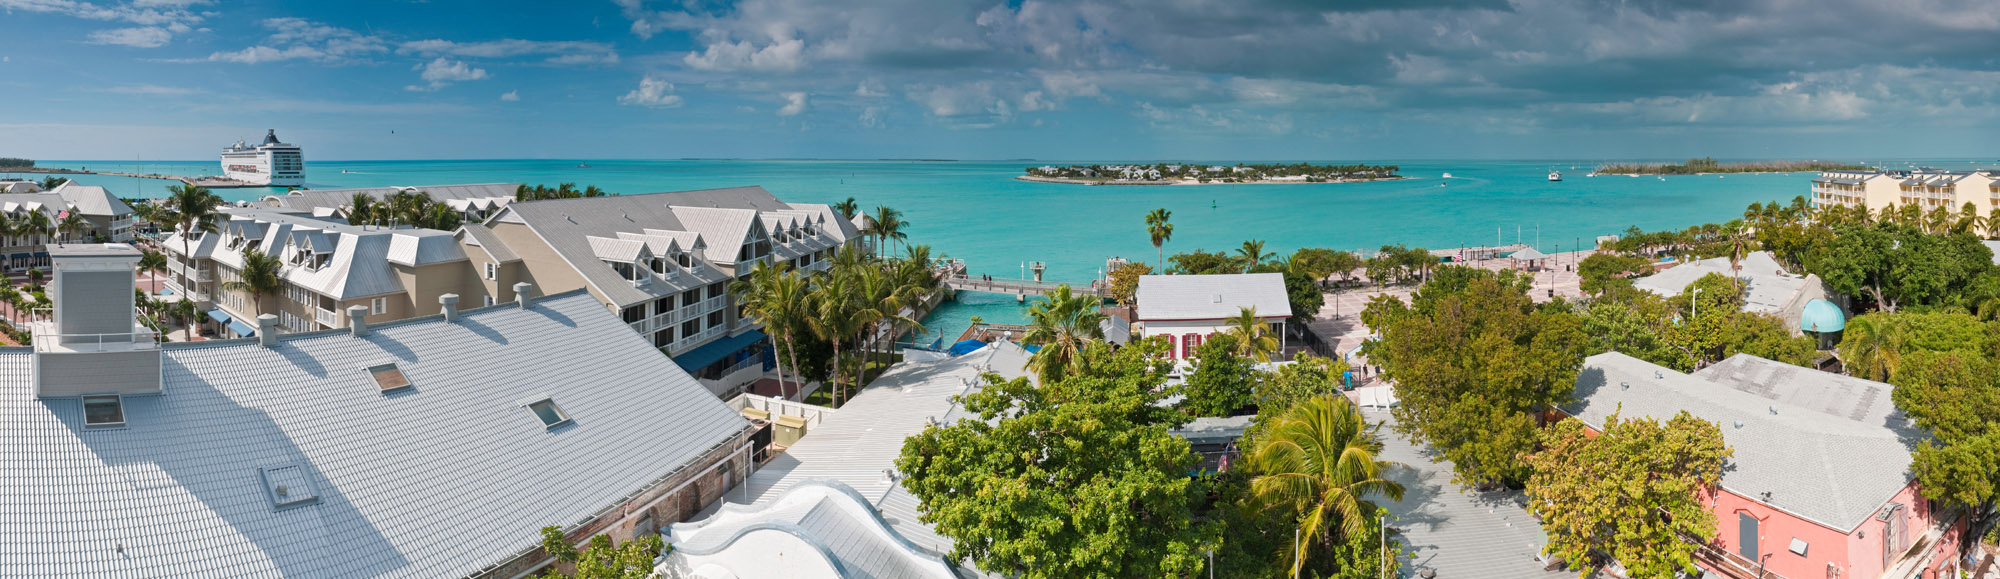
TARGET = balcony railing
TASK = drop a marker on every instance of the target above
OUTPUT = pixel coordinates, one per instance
(326, 318)
(710, 304)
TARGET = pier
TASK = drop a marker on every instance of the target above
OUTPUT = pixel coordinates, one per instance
(1022, 287)
(206, 182)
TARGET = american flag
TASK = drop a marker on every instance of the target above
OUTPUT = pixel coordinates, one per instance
(64, 214)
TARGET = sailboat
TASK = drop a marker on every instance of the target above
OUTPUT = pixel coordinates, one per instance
(1555, 176)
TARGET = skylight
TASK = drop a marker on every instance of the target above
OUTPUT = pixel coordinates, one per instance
(388, 377)
(550, 414)
(287, 486)
(103, 411)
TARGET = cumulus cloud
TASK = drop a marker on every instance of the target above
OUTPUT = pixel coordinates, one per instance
(510, 96)
(140, 37)
(444, 71)
(783, 55)
(795, 103)
(652, 92)
(557, 52)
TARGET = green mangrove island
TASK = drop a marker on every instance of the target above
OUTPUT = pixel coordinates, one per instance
(1706, 165)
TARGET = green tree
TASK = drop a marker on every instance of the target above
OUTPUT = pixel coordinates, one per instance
(888, 227)
(1601, 271)
(262, 275)
(774, 296)
(1871, 346)
(837, 315)
(601, 559)
(1160, 230)
(1076, 477)
(1254, 338)
(847, 208)
(1305, 297)
(1307, 376)
(1474, 362)
(1317, 462)
(72, 224)
(1955, 395)
(1630, 494)
(1222, 382)
(1125, 282)
(1062, 327)
(1252, 254)
(1200, 262)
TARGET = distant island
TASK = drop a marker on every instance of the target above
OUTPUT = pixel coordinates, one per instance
(1198, 174)
(16, 163)
(1707, 165)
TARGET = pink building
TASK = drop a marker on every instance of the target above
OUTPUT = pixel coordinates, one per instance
(1187, 309)
(1820, 485)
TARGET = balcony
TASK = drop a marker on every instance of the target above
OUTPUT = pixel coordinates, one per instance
(710, 304)
(326, 318)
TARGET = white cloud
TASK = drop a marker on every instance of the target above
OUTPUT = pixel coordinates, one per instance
(783, 55)
(301, 39)
(444, 71)
(870, 89)
(652, 92)
(152, 89)
(871, 118)
(558, 52)
(510, 96)
(140, 37)
(795, 103)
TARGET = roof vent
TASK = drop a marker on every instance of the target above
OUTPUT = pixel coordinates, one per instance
(267, 330)
(357, 319)
(1739, 425)
(1623, 385)
(1774, 410)
(521, 291)
(1658, 376)
(450, 303)
(1215, 298)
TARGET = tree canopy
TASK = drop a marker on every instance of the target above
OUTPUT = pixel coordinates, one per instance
(1223, 381)
(1077, 477)
(1629, 494)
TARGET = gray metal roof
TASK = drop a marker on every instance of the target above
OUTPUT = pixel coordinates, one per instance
(1834, 451)
(362, 255)
(484, 238)
(1211, 297)
(438, 480)
(1769, 290)
(91, 199)
(1451, 530)
(307, 200)
(859, 443)
(834, 523)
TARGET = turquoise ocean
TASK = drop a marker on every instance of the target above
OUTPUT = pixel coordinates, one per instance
(977, 211)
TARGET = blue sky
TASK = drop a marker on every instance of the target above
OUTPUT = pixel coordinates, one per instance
(1096, 79)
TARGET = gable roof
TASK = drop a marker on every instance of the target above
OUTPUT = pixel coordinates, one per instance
(1211, 297)
(178, 487)
(363, 256)
(1769, 289)
(484, 238)
(308, 200)
(1835, 450)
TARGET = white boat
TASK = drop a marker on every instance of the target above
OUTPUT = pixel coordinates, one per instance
(1447, 175)
(1663, 177)
(271, 163)
(1555, 175)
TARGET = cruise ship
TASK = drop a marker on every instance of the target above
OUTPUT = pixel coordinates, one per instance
(271, 163)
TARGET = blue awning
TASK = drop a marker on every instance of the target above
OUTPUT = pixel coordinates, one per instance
(220, 317)
(964, 347)
(242, 329)
(21, 256)
(698, 358)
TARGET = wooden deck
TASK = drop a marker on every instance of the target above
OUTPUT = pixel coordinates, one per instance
(1022, 287)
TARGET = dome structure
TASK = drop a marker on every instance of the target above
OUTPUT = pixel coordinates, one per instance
(1822, 316)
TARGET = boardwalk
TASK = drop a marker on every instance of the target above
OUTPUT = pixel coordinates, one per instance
(1021, 287)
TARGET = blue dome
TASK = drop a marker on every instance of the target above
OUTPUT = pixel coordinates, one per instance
(1822, 316)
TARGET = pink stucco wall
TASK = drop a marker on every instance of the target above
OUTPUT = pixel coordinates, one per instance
(1830, 553)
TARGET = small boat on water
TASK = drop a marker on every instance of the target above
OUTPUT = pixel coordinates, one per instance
(1447, 175)
(1663, 177)
(1555, 176)
(583, 165)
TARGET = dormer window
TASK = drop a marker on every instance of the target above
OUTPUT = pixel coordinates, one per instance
(685, 260)
(235, 242)
(659, 266)
(103, 411)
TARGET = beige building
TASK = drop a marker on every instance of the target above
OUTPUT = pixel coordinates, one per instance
(329, 266)
(1925, 188)
(104, 216)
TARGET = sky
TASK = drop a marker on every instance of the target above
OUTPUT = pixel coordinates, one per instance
(950, 79)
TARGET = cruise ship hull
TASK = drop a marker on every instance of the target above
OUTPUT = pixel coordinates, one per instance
(271, 164)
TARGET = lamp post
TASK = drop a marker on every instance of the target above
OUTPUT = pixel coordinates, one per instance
(1692, 304)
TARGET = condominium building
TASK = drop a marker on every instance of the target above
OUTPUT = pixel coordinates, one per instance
(664, 261)
(329, 266)
(432, 447)
(1926, 188)
(105, 218)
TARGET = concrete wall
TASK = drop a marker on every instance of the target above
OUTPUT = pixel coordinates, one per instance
(1181, 329)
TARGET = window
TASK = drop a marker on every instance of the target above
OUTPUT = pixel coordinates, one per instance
(690, 297)
(684, 260)
(550, 414)
(633, 314)
(388, 377)
(717, 289)
(378, 306)
(663, 338)
(663, 305)
(492, 271)
(103, 411)
(690, 328)
(715, 319)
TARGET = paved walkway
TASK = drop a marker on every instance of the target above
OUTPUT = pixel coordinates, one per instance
(1458, 533)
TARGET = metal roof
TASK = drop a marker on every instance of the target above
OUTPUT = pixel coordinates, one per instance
(437, 480)
(484, 238)
(833, 525)
(91, 199)
(1211, 297)
(1829, 448)
(362, 260)
(306, 200)
(858, 444)
(1768, 289)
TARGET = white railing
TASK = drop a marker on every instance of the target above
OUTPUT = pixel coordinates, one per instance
(711, 304)
(685, 343)
(96, 342)
(326, 318)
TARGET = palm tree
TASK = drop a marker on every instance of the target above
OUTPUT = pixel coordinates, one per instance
(192, 209)
(847, 208)
(361, 209)
(1062, 327)
(885, 298)
(770, 295)
(1319, 459)
(152, 261)
(37, 223)
(11, 296)
(72, 223)
(1253, 254)
(1161, 230)
(260, 276)
(1253, 336)
(835, 316)
(1868, 347)
(888, 226)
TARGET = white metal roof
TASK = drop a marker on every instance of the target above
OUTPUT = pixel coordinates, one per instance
(437, 480)
(1211, 297)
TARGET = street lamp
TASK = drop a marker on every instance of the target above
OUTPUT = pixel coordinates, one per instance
(1692, 304)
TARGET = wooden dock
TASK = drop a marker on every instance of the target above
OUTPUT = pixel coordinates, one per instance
(1022, 287)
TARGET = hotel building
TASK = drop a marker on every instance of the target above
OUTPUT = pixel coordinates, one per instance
(1925, 188)
(663, 261)
(105, 218)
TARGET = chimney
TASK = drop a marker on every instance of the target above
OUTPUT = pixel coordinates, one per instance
(267, 330)
(450, 303)
(357, 319)
(521, 291)
(94, 344)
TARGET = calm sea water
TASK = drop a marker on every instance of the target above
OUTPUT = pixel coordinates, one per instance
(976, 211)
